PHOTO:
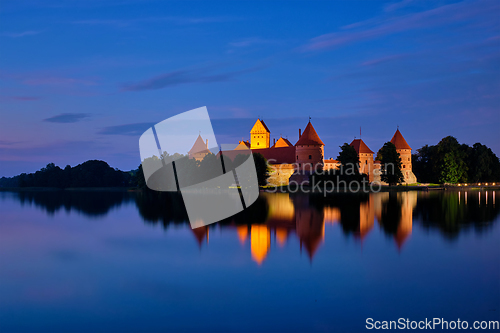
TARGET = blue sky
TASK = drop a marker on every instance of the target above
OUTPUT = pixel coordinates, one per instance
(82, 80)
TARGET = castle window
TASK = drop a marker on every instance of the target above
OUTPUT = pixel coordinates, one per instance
(310, 157)
(297, 156)
(404, 166)
(257, 143)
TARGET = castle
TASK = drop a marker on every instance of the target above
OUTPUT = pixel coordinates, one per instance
(296, 162)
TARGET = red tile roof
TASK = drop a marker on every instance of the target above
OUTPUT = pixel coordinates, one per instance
(282, 143)
(263, 124)
(360, 147)
(280, 155)
(199, 146)
(399, 141)
(244, 143)
(309, 137)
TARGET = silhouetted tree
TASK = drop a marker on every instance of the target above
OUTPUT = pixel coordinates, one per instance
(349, 160)
(390, 164)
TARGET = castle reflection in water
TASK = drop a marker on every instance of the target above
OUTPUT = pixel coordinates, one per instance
(277, 220)
(296, 216)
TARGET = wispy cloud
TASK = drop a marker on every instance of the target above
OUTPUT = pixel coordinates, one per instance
(38, 81)
(374, 28)
(119, 23)
(9, 143)
(184, 77)
(20, 98)
(127, 129)
(380, 60)
(21, 34)
(398, 5)
(67, 118)
(250, 42)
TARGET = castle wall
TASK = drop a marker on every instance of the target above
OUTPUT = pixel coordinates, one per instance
(308, 156)
(366, 165)
(280, 174)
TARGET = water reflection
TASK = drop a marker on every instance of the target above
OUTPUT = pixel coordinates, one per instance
(88, 202)
(278, 217)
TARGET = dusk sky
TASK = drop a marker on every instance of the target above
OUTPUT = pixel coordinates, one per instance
(83, 80)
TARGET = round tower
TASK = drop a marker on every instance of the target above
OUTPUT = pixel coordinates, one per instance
(309, 150)
(404, 150)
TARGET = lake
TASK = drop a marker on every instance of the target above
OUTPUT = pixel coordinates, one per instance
(80, 261)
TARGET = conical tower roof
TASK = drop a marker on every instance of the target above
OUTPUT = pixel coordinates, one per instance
(360, 147)
(199, 146)
(309, 137)
(399, 141)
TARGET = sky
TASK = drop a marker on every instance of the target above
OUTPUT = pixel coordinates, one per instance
(83, 80)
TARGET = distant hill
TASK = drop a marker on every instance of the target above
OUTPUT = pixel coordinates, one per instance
(93, 173)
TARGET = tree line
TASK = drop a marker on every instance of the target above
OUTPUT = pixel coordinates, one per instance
(93, 173)
(452, 162)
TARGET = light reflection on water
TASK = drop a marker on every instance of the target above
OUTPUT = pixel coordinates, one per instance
(120, 261)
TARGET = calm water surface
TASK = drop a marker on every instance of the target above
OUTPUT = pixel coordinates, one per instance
(117, 261)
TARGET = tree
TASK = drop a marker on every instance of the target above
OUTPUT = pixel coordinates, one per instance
(451, 170)
(424, 164)
(449, 162)
(484, 165)
(349, 160)
(262, 169)
(390, 164)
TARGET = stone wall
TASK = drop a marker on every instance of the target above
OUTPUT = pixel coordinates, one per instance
(280, 174)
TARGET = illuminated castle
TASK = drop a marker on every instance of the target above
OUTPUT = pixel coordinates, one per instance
(296, 162)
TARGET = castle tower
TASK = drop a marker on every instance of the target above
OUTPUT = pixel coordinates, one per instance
(404, 151)
(260, 135)
(199, 149)
(309, 149)
(365, 157)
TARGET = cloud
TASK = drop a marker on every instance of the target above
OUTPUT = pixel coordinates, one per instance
(67, 118)
(375, 28)
(398, 5)
(21, 98)
(120, 23)
(57, 81)
(388, 58)
(9, 143)
(183, 77)
(20, 34)
(250, 41)
(127, 129)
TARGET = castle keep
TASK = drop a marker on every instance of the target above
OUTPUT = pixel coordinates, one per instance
(296, 162)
